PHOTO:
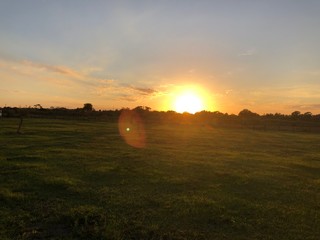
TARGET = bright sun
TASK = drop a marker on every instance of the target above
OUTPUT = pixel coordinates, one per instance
(188, 102)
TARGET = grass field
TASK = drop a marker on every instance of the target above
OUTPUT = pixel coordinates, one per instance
(64, 179)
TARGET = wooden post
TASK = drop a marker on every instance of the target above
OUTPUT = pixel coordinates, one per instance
(20, 124)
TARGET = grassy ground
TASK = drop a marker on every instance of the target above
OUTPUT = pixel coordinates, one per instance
(79, 180)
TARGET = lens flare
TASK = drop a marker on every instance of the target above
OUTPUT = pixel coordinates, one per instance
(131, 129)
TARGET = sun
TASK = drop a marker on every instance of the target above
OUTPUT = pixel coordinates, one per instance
(191, 98)
(188, 102)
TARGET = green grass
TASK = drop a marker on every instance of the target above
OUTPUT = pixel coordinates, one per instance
(64, 179)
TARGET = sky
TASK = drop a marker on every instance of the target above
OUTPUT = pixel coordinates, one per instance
(236, 54)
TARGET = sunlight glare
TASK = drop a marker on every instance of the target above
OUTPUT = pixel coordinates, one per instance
(188, 102)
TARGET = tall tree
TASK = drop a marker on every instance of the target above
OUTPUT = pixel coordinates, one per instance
(87, 107)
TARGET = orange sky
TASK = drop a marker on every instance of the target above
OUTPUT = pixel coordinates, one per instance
(263, 56)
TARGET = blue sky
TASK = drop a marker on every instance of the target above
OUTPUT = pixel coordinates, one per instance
(261, 55)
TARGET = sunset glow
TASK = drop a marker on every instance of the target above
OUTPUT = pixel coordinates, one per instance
(188, 102)
(127, 54)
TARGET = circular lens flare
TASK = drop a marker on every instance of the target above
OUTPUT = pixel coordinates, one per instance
(131, 128)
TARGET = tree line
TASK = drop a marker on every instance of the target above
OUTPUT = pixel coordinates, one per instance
(296, 121)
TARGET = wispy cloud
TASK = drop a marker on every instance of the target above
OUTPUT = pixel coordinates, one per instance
(125, 93)
(128, 98)
(57, 69)
(70, 83)
(228, 91)
(12, 91)
(144, 91)
(314, 73)
(307, 107)
(249, 52)
(46, 71)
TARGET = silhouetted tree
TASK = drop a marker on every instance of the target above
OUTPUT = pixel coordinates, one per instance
(247, 113)
(38, 106)
(142, 108)
(87, 107)
(295, 113)
(307, 115)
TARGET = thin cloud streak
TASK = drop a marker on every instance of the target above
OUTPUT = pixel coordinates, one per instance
(56, 69)
(249, 52)
(36, 69)
(144, 91)
(305, 107)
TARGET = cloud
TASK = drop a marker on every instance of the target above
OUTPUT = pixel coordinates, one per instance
(228, 91)
(57, 69)
(249, 52)
(44, 81)
(128, 99)
(315, 73)
(307, 107)
(112, 90)
(12, 91)
(27, 67)
(43, 71)
(145, 91)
